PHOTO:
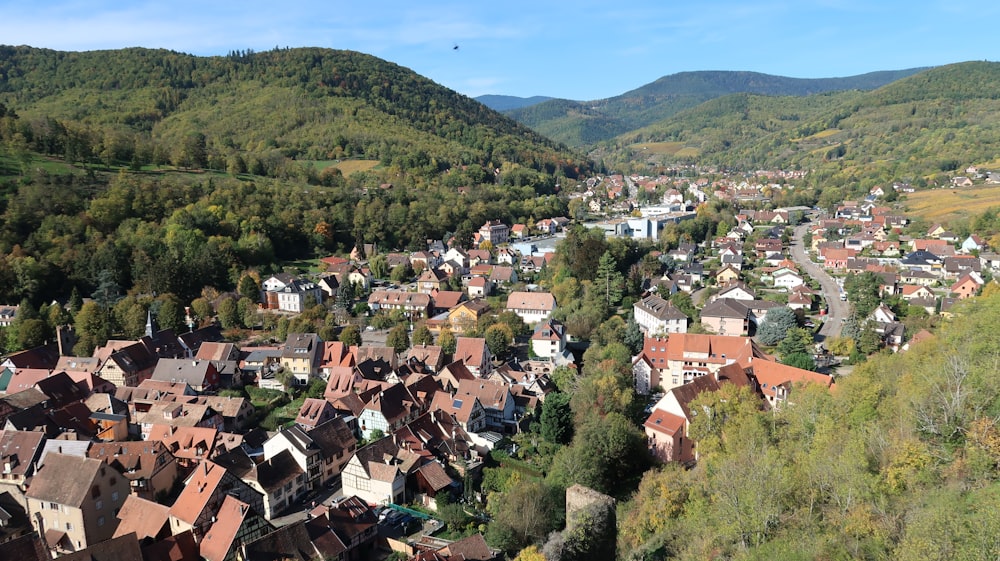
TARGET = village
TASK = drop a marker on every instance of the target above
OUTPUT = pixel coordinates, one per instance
(145, 446)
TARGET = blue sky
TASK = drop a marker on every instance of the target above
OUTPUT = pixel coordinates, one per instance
(580, 50)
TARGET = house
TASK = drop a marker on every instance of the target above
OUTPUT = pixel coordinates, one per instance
(726, 316)
(727, 274)
(388, 410)
(147, 519)
(201, 375)
(777, 380)
(787, 279)
(467, 412)
(204, 493)
(431, 356)
(681, 357)
(532, 307)
(413, 304)
(234, 525)
(474, 353)
(189, 445)
(972, 243)
(149, 467)
(279, 479)
(518, 231)
(301, 355)
(657, 316)
(431, 480)
(967, 286)
(296, 296)
(314, 412)
(466, 316)
(431, 280)
(73, 500)
(7, 315)
(479, 287)
(496, 399)
(175, 415)
(444, 300)
(495, 232)
(19, 450)
(321, 452)
(737, 290)
(549, 339)
(125, 363)
(912, 292)
(377, 472)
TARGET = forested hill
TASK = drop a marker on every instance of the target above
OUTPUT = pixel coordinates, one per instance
(587, 122)
(505, 102)
(935, 122)
(307, 104)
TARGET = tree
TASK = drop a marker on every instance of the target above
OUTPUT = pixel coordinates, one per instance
(379, 266)
(247, 310)
(169, 313)
(797, 340)
(799, 360)
(350, 335)
(633, 339)
(202, 309)
(398, 338)
(609, 279)
(524, 514)
(498, 338)
(557, 418)
(249, 288)
(608, 454)
(447, 341)
(229, 314)
(422, 336)
(92, 328)
(776, 324)
(31, 333)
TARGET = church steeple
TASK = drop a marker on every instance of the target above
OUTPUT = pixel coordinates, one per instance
(149, 323)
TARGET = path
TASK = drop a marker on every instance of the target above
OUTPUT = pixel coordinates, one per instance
(837, 309)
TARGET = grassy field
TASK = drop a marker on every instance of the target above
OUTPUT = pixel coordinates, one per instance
(678, 149)
(347, 167)
(946, 205)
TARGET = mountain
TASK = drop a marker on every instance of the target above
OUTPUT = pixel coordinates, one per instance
(305, 104)
(584, 123)
(914, 128)
(507, 102)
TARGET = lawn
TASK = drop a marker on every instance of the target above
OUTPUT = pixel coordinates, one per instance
(947, 205)
(347, 167)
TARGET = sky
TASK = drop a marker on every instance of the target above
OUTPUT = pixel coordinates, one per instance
(581, 50)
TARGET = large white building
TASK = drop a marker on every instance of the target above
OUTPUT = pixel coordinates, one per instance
(657, 316)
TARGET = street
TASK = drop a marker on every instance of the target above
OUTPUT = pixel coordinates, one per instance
(837, 309)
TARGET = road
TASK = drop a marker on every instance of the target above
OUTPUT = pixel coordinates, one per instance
(837, 309)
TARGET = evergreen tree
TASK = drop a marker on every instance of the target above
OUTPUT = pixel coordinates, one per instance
(609, 279)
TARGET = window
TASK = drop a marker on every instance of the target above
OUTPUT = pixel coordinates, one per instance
(100, 521)
(99, 504)
(69, 527)
(53, 506)
(114, 496)
(95, 492)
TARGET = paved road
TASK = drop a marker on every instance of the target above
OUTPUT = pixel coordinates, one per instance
(838, 309)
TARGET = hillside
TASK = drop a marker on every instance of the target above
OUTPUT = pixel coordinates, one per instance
(913, 129)
(303, 104)
(507, 102)
(584, 123)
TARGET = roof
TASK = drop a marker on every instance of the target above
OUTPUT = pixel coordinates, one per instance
(198, 489)
(179, 547)
(726, 308)
(773, 374)
(20, 449)
(667, 423)
(435, 476)
(492, 395)
(538, 301)
(145, 518)
(136, 460)
(288, 543)
(660, 308)
(219, 538)
(65, 479)
(470, 350)
(472, 548)
(194, 372)
(121, 548)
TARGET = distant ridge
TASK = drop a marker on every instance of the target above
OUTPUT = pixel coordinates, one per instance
(508, 102)
(582, 124)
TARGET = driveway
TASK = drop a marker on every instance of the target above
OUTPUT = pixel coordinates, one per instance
(837, 309)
